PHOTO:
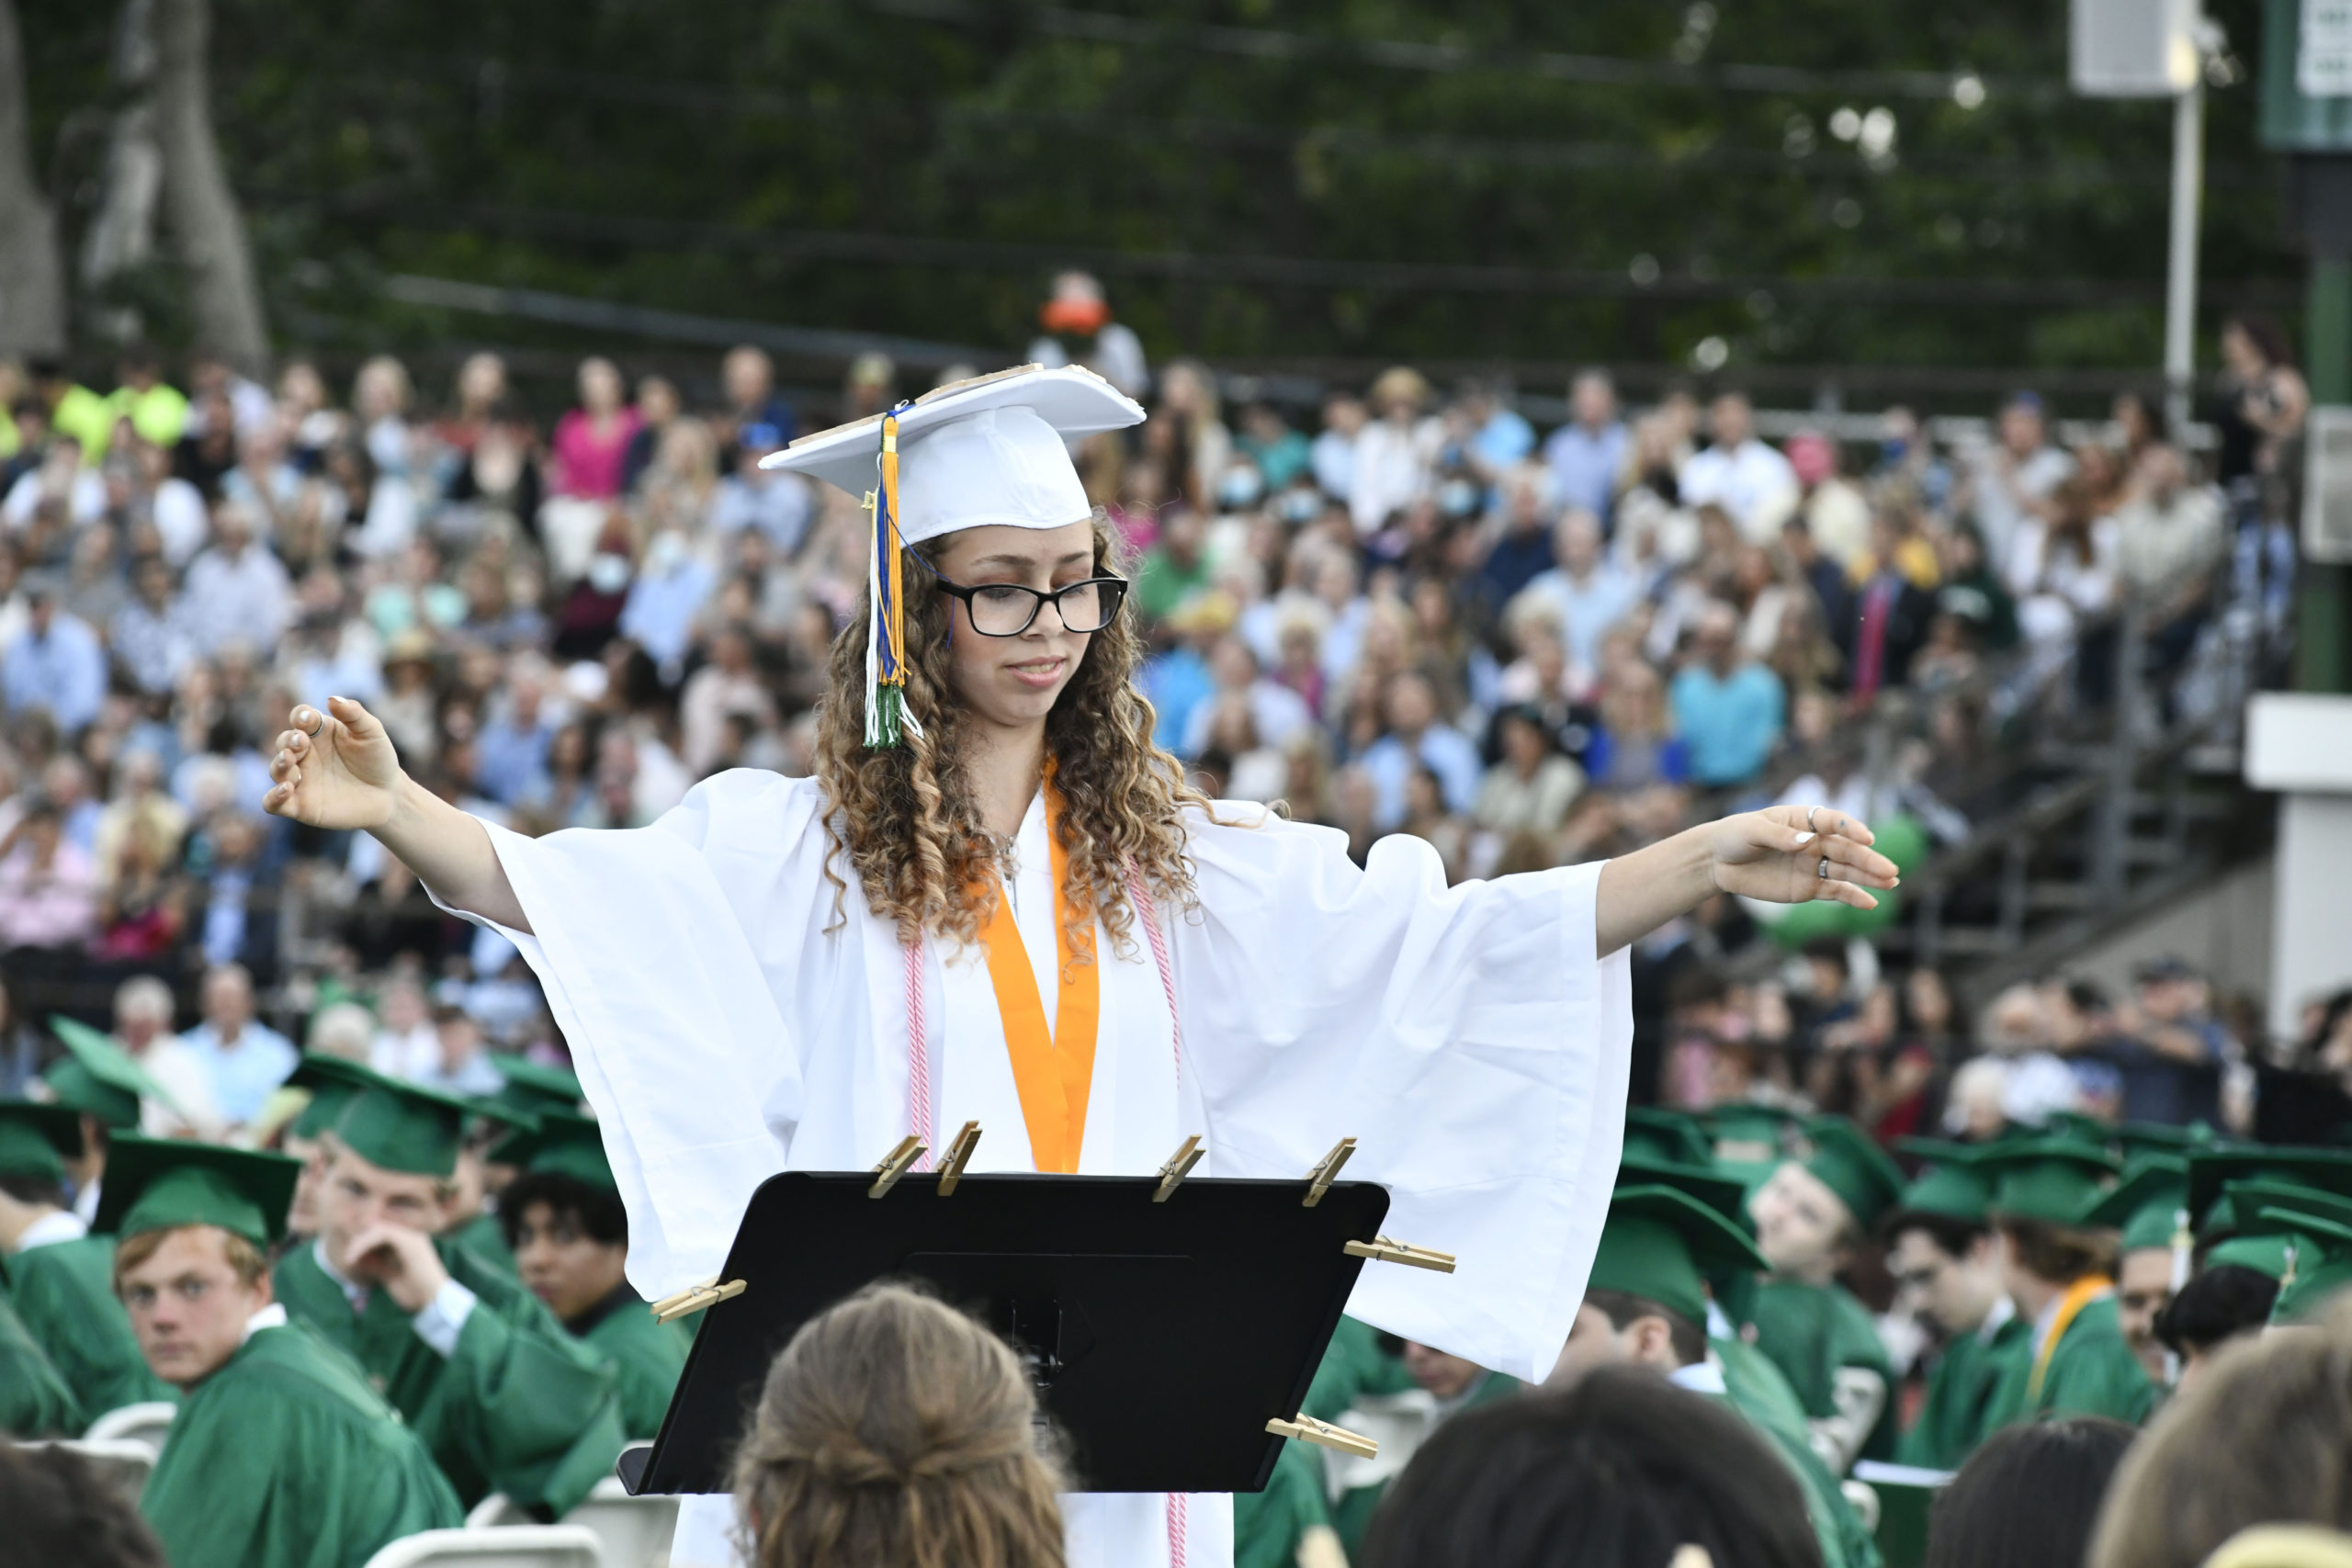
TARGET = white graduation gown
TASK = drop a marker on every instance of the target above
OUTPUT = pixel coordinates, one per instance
(726, 1026)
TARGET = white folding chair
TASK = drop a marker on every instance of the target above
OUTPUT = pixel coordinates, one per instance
(148, 1422)
(122, 1465)
(495, 1512)
(513, 1546)
(635, 1533)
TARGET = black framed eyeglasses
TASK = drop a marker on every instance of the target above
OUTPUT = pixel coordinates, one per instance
(1008, 609)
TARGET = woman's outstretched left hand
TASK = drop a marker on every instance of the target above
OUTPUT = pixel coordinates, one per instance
(1793, 854)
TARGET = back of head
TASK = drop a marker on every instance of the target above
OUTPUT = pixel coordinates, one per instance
(62, 1514)
(2266, 1436)
(895, 1432)
(1619, 1470)
(2028, 1498)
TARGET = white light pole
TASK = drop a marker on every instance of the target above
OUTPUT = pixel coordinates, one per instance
(2180, 265)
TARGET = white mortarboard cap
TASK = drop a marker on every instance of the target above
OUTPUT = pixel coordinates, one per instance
(991, 450)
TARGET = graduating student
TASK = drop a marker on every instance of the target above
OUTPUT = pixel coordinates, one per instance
(569, 1236)
(504, 1398)
(997, 902)
(34, 1400)
(2149, 1209)
(1811, 1218)
(281, 1455)
(2059, 1272)
(1440, 1387)
(99, 1079)
(1941, 1245)
(61, 1278)
(1646, 1305)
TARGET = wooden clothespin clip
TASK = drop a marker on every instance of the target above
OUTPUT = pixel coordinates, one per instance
(952, 1170)
(692, 1299)
(1327, 1169)
(896, 1164)
(1380, 1249)
(1309, 1429)
(1180, 1165)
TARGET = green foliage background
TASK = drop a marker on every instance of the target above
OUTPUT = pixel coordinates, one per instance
(919, 166)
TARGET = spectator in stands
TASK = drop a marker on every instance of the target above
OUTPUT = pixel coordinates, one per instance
(1890, 614)
(1588, 454)
(1532, 785)
(1413, 736)
(2265, 1437)
(592, 441)
(747, 376)
(1396, 453)
(236, 589)
(1277, 714)
(406, 1045)
(243, 1057)
(894, 1429)
(1620, 1469)
(2168, 542)
(2030, 1498)
(727, 686)
(778, 505)
(142, 1027)
(1333, 456)
(461, 1064)
(1748, 478)
(56, 665)
(1281, 454)
(48, 886)
(1728, 709)
(2168, 1047)
(1592, 593)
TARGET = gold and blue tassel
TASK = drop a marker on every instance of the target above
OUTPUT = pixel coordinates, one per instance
(886, 633)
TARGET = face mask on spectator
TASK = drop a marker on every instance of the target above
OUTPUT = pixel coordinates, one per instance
(1241, 488)
(608, 573)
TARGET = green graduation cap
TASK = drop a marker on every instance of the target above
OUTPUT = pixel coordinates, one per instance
(2052, 1179)
(1724, 1194)
(2138, 1138)
(156, 1184)
(1848, 1163)
(97, 1078)
(531, 1088)
(2318, 1268)
(405, 1127)
(332, 1081)
(2146, 1205)
(562, 1143)
(2264, 1254)
(2080, 1127)
(37, 1138)
(2211, 1171)
(1953, 1186)
(1661, 1244)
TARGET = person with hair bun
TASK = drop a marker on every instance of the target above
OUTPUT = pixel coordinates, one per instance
(998, 901)
(895, 1432)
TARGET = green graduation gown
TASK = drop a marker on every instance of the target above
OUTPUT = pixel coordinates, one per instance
(1353, 1364)
(520, 1407)
(35, 1401)
(1963, 1394)
(65, 1295)
(1268, 1526)
(485, 1239)
(2092, 1372)
(1814, 1332)
(284, 1459)
(1755, 1388)
(645, 1357)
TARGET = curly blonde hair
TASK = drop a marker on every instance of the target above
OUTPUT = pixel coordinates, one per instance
(905, 817)
(895, 1432)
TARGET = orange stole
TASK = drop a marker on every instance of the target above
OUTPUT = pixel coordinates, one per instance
(1053, 1069)
(2079, 1295)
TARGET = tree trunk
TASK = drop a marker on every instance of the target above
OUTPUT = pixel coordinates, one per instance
(206, 225)
(120, 237)
(32, 275)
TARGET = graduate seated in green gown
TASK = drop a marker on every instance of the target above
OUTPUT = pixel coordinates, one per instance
(61, 1278)
(34, 1400)
(2060, 1273)
(1812, 1218)
(569, 1236)
(2150, 1209)
(2229, 1299)
(1291, 1523)
(1442, 1387)
(1645, 1304)
(1942, 1248)
(504, 1398)
(281, 1456)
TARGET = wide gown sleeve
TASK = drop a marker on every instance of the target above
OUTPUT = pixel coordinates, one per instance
(1467, 1037)
(639, 940)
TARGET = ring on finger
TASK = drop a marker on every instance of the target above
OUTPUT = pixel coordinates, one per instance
(313, 731)
(1809, 812)
(1822, 871)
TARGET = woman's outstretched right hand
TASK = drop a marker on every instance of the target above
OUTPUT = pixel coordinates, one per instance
(347, 775)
